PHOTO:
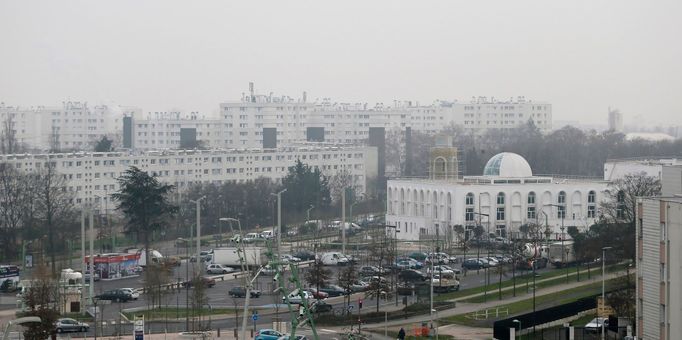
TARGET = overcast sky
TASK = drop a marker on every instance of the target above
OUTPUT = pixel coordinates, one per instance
(582, 56)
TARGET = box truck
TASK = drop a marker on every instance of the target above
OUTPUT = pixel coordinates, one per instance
(228, 256)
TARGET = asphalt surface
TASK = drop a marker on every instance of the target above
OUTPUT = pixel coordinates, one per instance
(269, 304)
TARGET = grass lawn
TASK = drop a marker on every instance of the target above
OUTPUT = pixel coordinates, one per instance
(521, 282)
(172, 313)
(541, 302)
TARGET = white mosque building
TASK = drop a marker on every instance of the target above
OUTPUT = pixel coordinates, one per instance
(505, 197)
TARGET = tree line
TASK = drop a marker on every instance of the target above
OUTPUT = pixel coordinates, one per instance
(566, 151)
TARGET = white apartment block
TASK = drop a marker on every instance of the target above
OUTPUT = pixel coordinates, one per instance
(241, 122)
(92, 176)
(505, 197)
(72, 126)
(659, 268)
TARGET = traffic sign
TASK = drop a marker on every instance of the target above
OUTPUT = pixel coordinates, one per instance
(254, 317)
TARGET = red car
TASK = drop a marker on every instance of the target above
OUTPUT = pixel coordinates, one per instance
(318, 294)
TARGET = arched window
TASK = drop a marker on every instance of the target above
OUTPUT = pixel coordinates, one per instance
(531, 198)
(469, 200)
(530, 214)
(500, 198)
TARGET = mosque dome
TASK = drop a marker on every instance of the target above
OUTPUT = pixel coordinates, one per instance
(507, 164)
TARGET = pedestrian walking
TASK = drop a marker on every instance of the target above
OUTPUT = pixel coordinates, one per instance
(401, 334)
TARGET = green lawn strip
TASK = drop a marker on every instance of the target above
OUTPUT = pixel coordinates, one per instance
(521, 289)
(173, 313)
(521, 281)
(541, 302)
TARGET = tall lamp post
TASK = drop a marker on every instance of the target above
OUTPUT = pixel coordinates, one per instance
(562, 210)
(603, 286)
(279, 221)
(198, 203)
(487, 278)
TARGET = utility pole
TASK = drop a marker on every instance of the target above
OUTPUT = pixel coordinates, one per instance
(343, 221)
(92, 256)
(198, 263)
(279, 221)
(82, 257)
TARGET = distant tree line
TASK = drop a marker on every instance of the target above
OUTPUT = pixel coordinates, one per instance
(567, 151)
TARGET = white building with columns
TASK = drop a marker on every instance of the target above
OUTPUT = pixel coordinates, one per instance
(505, 197)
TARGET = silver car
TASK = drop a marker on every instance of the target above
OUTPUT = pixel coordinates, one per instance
(65, 325)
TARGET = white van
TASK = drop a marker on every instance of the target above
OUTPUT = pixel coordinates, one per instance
(334, 259)
(251, 237)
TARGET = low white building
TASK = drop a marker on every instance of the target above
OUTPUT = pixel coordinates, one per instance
(505, 197)
(91, 176)
(651, 166)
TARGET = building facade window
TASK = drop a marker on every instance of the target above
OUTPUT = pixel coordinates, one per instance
(500, 213)
(620, 205)
(500, 198)
(531, 198)
(469, 200)
(531, 213)
(561, 209)
(469, 215)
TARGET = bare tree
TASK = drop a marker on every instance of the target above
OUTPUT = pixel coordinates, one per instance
(346, 278)
(56, 208)
(41, 299)
(621, 197)
(16, 194)
(342, 180)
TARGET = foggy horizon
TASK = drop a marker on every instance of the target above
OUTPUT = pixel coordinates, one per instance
(581, 57)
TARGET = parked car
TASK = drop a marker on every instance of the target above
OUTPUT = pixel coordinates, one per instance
(473, 264)
(298, 337)
(441, 270)
(419, 256)
(595, 325)
(116, 295)
(286, 258)
(321, 307)
(373, 270)
(205, 255)
(86, 276)
(411, 275)
(267, 334)
(359, 286)
(493, 262)
(133, 292)
(65, 325)
(251, 238)
(240, 292)
(295, 297)
(207, 281)
(305, 255)
(218, 269)
(333, 290)
(411, 263)
(374, 279)
(501, 241)
(317, 294)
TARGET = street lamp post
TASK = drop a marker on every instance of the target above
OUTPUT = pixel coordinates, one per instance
(198, 263)
(487, 278)
(603, 286)
(279, 221)
(515, 321)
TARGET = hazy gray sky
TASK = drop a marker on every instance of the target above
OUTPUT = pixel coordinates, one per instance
(582, 56)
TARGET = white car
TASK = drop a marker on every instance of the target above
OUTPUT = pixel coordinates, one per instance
(493, 262)
(444, 271)
(596, 324)
(218, 269)
(295, 298)
(251, 237)
(134, 292)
